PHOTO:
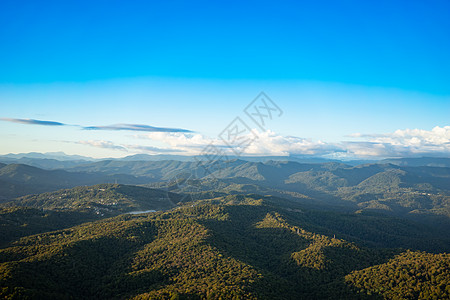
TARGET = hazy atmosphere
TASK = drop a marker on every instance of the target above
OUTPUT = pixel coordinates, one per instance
(224, 150)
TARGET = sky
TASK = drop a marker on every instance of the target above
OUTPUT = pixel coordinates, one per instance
(343, 79)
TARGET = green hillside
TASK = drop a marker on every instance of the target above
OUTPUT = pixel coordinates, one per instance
(17, 222)
(404, 191)
(108, 199)
(19, 180)
(228, 247)
(68, 207)
(388, 188)
(409, 275)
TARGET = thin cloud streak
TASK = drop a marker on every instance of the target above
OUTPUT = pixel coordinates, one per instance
(136, 127)
(103, 144)
(152, 149)
(33, 122)
(126, 148)
(114, 127)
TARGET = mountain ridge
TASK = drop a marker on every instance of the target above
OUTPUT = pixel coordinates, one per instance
(238, 246)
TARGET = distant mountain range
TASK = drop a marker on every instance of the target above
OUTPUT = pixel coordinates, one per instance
(48, 155)
(60, 160)
(386, 188)
(18, 180)
(271, 229)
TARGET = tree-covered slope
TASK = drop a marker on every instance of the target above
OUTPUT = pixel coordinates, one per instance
(18, 180)
(68, 207)
(17, 222)
(109, 199)
(409, 275)
(372, 187)
(375, 187)
(227, 247)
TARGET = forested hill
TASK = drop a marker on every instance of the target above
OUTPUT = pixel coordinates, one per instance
(228, 247)
(68, 207)
(111, 199)
(18, 180)
(272, 230)
(387, 188)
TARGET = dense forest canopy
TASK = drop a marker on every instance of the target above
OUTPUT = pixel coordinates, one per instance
(262, 230)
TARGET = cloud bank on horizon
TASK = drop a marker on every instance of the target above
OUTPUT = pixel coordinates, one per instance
(401, 143)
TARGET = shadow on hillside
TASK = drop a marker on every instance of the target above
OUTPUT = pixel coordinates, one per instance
(97, 268)
(270, 251)
(19, 222)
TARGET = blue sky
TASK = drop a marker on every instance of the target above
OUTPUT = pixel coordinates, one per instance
(336, 68)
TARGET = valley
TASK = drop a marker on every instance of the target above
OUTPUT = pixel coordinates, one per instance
(266, 230)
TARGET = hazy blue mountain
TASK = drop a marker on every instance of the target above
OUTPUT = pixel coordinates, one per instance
(44, 163)
(375, 187)
(153, 170)
(378, 187)
(48, 161)
(17, 180)
(159, 157)
(38, 159)
(48, 155)
(156, 157)
(421, 161)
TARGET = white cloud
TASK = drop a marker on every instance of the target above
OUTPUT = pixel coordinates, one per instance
(181, 140)
(416, 137)
(406, 142)
(151, 149)
(103, 144)
(401, 143)
(266, 143)
(270, 143)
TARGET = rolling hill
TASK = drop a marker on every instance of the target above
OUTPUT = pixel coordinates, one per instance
(18, 180)
(68, 207)
(388, 188)
(237, 246)
(111, 199)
